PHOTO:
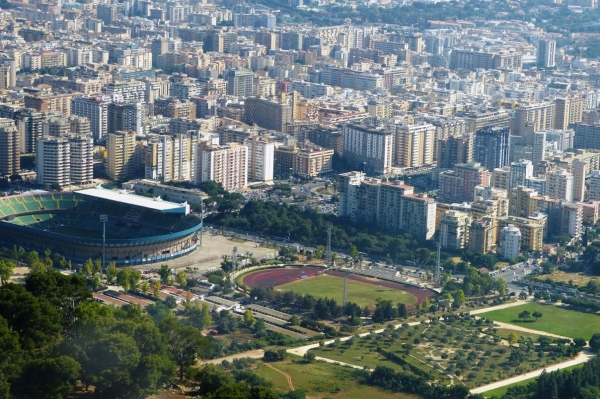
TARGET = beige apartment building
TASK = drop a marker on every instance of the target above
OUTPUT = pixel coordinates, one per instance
(120, 146)
(226, 164)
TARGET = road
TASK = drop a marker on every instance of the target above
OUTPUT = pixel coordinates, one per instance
(255, 354)
(583, 357)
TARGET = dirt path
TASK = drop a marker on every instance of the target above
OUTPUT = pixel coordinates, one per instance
(286, 375)
(518, 302)
(515, 327)
(581, 358)
(255, 354)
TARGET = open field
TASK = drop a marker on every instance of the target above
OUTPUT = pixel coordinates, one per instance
(322, 282)
(499, 392)
(322, 380)
(555, 320)
(580, 279)
(453, 350)
(363, 294)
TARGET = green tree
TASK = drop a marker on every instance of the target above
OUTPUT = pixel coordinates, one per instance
(249, 318)
(6, 270)
(459, 298)
(186, 344)
(525, 315)
(97, 267)
(49, 377)
(536, 315)
(227, 265)
(145, 287)
(199, 316)
(512, 339)
(181, 279)
(165, 273)
(354, 252)
(88, 268)
(155, 289)
(310, 357)
(111, 272)
(501, 286)
(11, 356)
(124, 278)
(425, 305)
(595, 342)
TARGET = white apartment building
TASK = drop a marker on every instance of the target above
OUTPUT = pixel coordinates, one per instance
(128, 92)
(311, 90)
(53, 161)
(510, 242)
(261, 158)
(520, 171)
(368, 149)
(392, 206)
(169, 158)
(82, 159)
(559, 184)
(225, 164)
(454, 230)
(79, 56)
(96, 111)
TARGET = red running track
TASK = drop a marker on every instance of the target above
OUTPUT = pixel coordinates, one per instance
(276, 277)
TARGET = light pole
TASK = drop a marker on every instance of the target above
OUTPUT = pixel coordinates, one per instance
(103, 219)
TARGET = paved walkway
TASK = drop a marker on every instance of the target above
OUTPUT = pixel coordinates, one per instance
(583, 357)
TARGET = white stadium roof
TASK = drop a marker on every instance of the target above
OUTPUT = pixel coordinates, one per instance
(125, 197)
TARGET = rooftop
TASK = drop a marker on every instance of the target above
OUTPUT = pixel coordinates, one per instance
(126, 197)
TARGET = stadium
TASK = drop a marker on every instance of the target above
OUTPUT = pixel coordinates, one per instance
(138, 229)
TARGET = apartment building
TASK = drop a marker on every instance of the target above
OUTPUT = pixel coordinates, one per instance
(454, 230)
(455, 150)
(568, 110)
(492, 147)
(520, 171)
(559, 184)
(96, 111)
(482, 235)
(81, 148)
(53, 161)
(532, 231)
(368, 149)
(46, 102)
(458, 185)
(510, 242)
(225, 164)
(270, 114)
(392, 206)
(121, 147)
(414, 145)
(540, 115)
(261, 158)
(10, 161)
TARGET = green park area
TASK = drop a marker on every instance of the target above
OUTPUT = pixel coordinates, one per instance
(321, 380)
(456, 350)
(555, 319)
(363, 294)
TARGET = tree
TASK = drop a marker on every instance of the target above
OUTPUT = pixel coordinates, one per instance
(6, 270)
(186, 344)
(310, 356)
(199, 316)
(524, 315)
(156, 289)
(354, 252)
(595, 342)
(111, 272)
(249, 318)
(87, 268)
(49, 377)
(536, 315)
(181, 279)
(459, 298)
(145, 287)
(227, 265)
(124, 278)
(171, 302)
(501, 286)
(512, 339)
(523, 295)
(165, 273)
(402, 311)
(11, 356)
(425, 305)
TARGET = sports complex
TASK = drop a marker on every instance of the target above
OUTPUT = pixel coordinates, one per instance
(321, 282)
(138, 229)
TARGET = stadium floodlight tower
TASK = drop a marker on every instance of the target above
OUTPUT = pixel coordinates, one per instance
(103, 219)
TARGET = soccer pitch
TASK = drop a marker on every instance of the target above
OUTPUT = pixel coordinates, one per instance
(363, 294)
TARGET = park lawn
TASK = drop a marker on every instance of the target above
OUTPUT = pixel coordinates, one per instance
(555, 320)
(321, 380)
(363, 294)
(500, 392)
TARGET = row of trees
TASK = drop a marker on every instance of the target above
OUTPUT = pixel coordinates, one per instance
(581, 383)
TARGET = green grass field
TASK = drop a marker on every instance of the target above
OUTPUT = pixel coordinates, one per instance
(555, 320)
(321, 380)
(363, 294)
(499, 392)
